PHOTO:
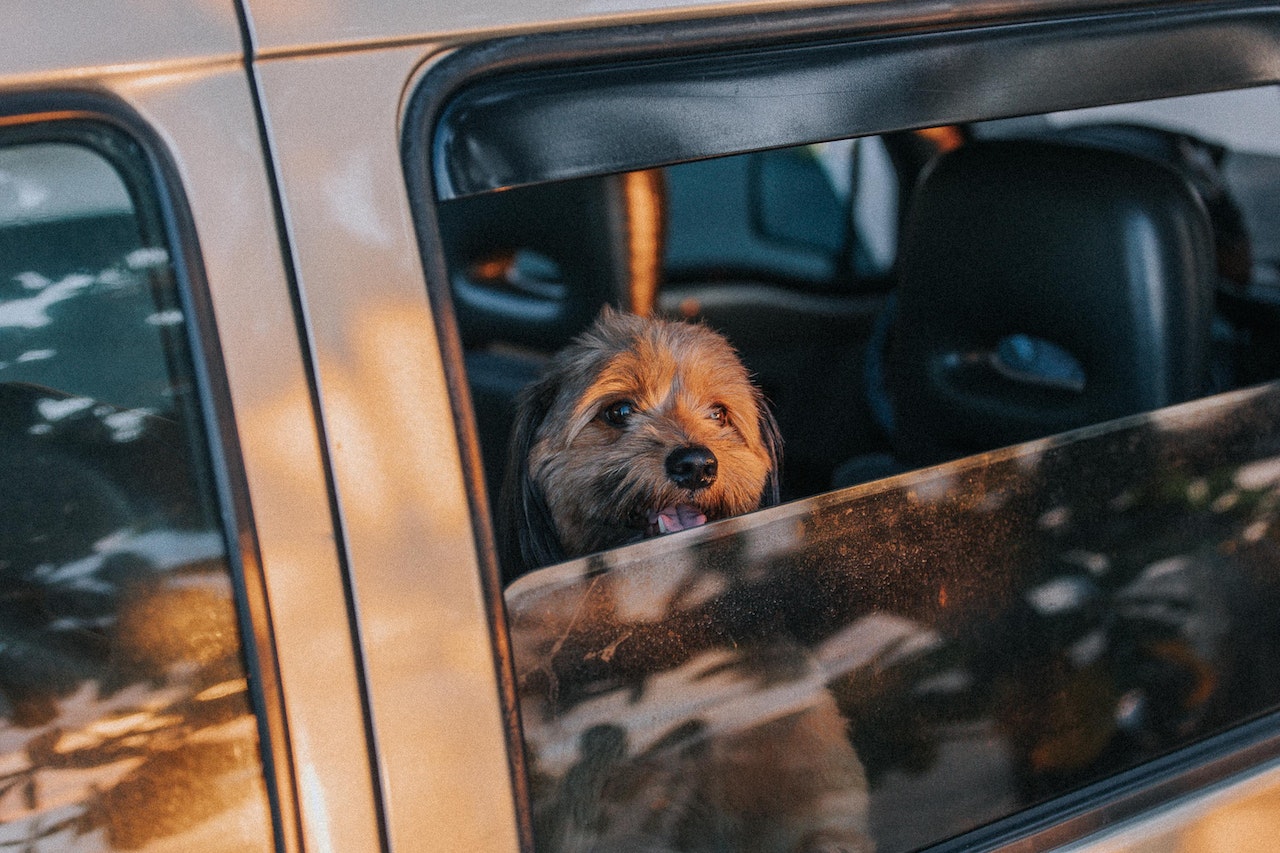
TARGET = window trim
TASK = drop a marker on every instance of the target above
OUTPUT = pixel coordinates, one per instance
(503, 122)
(113, 131)
(1131, 793)
(465, 101)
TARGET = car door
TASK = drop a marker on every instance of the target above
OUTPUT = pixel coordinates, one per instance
(998, 633)
(1009, 649)
(170, 575)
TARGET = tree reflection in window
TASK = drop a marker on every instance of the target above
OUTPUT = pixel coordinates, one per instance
(994, 632)
(125, 717)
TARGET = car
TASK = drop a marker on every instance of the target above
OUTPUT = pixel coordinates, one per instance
(273, 276)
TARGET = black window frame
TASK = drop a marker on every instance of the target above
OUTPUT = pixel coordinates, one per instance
(493, 115)
(112, 130)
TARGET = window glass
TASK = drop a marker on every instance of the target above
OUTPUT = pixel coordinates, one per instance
(125, 714)
(1023, 373)
(913, 658)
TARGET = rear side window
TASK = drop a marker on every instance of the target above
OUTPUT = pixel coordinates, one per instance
(125, 714)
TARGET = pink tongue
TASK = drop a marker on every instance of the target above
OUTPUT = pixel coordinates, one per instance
(672, 518)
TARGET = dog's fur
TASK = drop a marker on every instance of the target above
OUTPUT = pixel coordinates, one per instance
(579, 480)
(597, 460)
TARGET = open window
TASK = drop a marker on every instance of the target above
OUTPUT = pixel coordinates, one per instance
(1022, 348)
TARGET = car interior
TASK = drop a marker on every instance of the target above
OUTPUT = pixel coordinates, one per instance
(908, 298)
(930, 297)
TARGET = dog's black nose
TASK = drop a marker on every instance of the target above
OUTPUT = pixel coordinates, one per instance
(692, 467)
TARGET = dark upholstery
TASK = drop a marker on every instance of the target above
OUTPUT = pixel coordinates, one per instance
(531, 267)
(1043, 287)
(586, 229)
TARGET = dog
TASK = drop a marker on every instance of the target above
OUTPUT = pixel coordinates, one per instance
(643, 729)
(642, 426)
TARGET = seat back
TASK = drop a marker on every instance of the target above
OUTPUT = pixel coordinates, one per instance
(1045, 286)
(530, 269)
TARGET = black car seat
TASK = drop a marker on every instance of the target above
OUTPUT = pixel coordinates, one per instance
(531, 267)
(1043, 286)
(1202, 164)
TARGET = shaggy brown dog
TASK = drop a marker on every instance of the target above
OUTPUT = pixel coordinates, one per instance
(643, 427)
(640, 427)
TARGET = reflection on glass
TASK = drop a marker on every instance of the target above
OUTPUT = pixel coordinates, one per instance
(125, 719)
(911, 658)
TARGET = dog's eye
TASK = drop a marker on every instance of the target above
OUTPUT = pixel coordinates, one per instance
(719, 414)
(616, 414)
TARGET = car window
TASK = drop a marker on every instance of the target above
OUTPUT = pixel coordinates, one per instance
(1023, 373)
(126, 720)
(917, 657)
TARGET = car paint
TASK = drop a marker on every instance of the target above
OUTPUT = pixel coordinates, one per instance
(1237, 815)
(98, 38)
(225, 181)
(188, 85)
(410, 548)
(291, 170)
(307, 25)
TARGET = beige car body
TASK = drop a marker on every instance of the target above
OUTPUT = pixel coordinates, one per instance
(288, 155)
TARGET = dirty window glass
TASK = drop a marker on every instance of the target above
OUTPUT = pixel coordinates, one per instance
(125, 717)
(900, 662)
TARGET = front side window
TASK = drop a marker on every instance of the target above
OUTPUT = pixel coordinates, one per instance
(125, 713)
(1023, 371)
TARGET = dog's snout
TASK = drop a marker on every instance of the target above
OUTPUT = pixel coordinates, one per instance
(692, 467)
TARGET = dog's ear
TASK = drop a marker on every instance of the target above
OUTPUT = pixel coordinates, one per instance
(527, 536)
(771, 436)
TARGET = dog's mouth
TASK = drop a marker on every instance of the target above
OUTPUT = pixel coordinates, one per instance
(671, 519)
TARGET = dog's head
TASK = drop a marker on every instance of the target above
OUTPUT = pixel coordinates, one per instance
(640, 427)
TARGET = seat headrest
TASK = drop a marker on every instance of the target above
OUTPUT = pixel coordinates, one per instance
(533, 266)
(1045, 286)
